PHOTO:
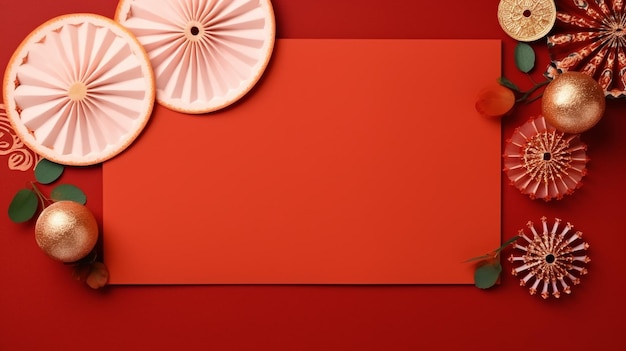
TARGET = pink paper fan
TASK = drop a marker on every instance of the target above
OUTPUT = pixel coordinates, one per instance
(590, 37)
(79, 89)
(206, 54)
(544, 163)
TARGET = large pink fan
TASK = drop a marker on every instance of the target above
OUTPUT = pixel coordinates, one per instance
(79, 89)
(206, 54)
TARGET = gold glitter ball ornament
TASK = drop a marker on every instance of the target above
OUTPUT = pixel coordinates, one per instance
(573, 102)
(525, 20)
(66, 231)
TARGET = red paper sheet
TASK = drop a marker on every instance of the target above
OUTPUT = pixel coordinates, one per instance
(351, 162)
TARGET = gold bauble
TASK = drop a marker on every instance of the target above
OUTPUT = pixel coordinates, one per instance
(66, 231)
(573, 102)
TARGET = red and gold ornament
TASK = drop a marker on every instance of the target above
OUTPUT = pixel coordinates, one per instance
(589, 37)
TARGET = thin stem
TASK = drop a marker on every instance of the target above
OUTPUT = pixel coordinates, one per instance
(494, 253)
(507, 243)
(528, 93)
(534, 98)
(42, 198)
(478, 258)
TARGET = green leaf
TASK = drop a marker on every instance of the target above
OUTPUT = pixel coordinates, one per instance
(524, 57)
(507, 83)
(23, 206)
(68, 192)
(487, 275)
(47, 172)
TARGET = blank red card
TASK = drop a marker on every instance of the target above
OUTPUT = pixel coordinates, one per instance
(350, 162)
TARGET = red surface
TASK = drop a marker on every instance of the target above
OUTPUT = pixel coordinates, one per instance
(318, 183)
(41, 308)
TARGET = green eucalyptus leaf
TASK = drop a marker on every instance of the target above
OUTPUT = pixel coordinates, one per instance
(47, 171)
(23, 206)
(507, 83)
(524, 57)
(487, 275)
(68, 192)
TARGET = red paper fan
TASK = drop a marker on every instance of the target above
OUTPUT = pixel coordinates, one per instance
(590, 37)
(544, 163)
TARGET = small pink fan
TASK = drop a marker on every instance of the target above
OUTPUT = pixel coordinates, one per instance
(544, 163)
(550, 258)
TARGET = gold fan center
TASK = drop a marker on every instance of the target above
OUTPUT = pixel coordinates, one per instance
(77, 92)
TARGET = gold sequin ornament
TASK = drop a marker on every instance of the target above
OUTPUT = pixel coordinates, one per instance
(526, 20)
(66, 231)
(573, 102)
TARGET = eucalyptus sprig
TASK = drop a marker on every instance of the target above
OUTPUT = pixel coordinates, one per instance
(525, 62)
(488, 266)
(27, 201)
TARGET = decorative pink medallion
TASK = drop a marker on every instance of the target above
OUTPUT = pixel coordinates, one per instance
(550, 259)
(544, 163)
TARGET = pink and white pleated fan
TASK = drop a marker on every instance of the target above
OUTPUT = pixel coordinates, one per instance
(206, 54)
(550, 257)
(79, 89)
(544, 163)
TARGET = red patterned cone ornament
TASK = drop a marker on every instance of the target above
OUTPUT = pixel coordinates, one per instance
(588, 37)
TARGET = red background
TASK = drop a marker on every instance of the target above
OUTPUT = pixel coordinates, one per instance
(41, 307)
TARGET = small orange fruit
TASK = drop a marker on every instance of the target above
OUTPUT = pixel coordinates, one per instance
(66, 231)
(98, 276)
(495, 101)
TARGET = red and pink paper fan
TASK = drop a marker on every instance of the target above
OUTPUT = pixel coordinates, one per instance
(544, 163)
(550, 258)
(590, 37)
